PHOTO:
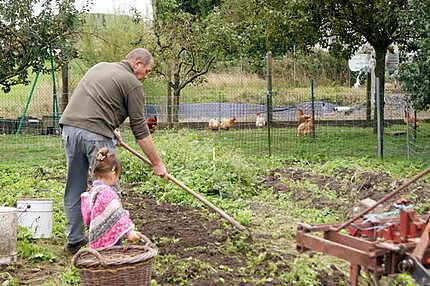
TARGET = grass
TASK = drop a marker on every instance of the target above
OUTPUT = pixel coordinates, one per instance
(31, 150)
(211, 163)
(329, 142)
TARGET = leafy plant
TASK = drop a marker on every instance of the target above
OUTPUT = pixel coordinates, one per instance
(27, 248)
(26, 36)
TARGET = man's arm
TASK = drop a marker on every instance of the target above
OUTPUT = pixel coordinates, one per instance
(148, 148)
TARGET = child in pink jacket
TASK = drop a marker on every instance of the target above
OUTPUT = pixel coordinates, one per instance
(101, 207)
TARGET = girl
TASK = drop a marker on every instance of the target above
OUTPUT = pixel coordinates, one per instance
(101, 207)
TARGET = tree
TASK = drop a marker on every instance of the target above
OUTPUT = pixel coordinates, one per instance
(108, 38)
(415, 72)
(27, 33)
(344, 26)
(186, 47)
(198, 7)
(259, 26)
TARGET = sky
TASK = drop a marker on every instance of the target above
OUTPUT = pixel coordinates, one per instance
(121, 6)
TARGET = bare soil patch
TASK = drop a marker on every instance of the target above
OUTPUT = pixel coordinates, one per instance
(350, 186)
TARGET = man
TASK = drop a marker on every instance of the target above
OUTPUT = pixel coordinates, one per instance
(103, 99)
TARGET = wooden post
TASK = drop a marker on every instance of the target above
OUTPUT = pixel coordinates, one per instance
(313, 108)
(169, 99)
(65, 86)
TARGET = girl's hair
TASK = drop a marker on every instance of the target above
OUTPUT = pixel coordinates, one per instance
(106, 162)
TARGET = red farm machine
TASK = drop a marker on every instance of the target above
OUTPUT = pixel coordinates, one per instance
(378, 244)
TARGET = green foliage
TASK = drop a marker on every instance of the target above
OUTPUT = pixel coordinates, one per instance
(187, 46)
(415, 72)
(17, 182)
(224, 179)
(241, 191)
(109, 38)
(201, 8)
(302, 272)
(26, 36)
(259, 26)
(71, 276)
(30, 250)
(319, 65)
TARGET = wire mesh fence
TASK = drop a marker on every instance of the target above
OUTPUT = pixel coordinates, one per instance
(241, 108)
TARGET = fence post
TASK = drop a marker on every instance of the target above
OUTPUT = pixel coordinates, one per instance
(65, 85)
(380, 123)
(269, 99)
(369, 98)
(219, 110)
(169, 99)
(415, 125)
(55, 108)
(27, 105)
(313, 108)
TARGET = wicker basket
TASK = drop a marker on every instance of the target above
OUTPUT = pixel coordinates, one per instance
(118, 265)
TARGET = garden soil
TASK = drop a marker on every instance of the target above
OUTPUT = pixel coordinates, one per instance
(212, 252)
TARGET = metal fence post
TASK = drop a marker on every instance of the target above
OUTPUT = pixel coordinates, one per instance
(269, 100)
(313, 108)
(55, 108)
(380, 123)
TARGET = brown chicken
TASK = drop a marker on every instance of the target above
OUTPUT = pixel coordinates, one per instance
(302, 117)
(152, 123)
(226, 123)
(305, 127)
(213, 124)
(409, 119)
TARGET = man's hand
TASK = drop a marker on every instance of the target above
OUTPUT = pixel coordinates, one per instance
(159, 170)
(118, 137)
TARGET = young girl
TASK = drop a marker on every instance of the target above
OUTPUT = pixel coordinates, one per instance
(101, 207)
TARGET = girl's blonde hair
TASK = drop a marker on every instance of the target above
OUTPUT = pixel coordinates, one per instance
(106, 162)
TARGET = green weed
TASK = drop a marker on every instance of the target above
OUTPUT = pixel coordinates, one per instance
(30, 250)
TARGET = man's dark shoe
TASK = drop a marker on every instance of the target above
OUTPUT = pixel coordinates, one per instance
(72, 248)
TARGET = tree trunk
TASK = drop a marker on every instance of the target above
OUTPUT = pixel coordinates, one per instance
(169, 100)
(176, 95)
(65, 87)
(380, 73)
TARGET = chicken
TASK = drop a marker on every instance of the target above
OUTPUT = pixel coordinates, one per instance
(305, 127)
(409, 119)
(152, 123)
(302, 116)
(347, 110)
(260, 122)
(214, 124)
(226, 123)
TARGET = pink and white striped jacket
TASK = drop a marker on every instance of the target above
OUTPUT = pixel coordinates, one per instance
(102, 210)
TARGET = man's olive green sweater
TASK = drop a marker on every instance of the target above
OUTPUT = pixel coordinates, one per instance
(104, 98)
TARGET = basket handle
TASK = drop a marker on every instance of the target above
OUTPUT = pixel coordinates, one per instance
(90, 251)
(147, 241)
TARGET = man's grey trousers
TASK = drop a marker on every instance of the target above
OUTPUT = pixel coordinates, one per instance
(81, 147)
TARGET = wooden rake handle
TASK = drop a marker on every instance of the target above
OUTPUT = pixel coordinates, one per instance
(183, 186)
